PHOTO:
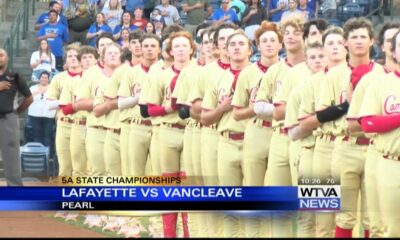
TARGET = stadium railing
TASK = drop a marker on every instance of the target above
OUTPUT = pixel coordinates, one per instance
(19, 30)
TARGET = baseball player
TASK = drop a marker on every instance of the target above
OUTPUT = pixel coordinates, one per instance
(315, 59)
(359, 90)
(321, 155)
(199, 219)
(217, 108)
(78, 128)
(87, 56)
(58, 95)
(379, 114)
(376, 227)
(209, 134)
(349, 151)
(258, 132)
(274, 91)
(187, 78)
(128, 99)
(90, 89)
(112, 98)
(91, 69)
(314, 29)
(103, 109)
(181, 48)
(155, 70)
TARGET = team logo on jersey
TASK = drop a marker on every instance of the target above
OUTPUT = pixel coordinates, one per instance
(167, 93)
(135, 89)
(278, 86)
(222, 95)
(392, 105)
(253, 94)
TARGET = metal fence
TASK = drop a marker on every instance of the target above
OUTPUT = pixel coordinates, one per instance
(19, 30)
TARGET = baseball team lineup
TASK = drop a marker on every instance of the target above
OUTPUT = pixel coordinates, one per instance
(325, 113)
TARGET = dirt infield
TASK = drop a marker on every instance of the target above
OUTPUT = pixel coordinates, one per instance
(39, 224)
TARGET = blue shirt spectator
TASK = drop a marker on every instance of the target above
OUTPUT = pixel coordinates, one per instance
(96, 29)
(44, 17)
(276, 8)
(225, 13)
(55, 33)
(312, 4)
(307, 10)
(308, 13)
(132, 4)
(126, 23)
(119, 28)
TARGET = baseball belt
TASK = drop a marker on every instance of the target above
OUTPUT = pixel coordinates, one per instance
(236, 136)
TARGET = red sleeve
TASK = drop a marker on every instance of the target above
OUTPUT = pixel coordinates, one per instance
(380, 123)
(156, 110)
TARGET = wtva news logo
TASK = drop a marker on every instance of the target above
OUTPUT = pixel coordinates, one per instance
(319, 197)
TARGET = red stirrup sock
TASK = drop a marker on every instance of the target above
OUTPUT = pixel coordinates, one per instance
(366, 233)
(169, 223)
(343, 233)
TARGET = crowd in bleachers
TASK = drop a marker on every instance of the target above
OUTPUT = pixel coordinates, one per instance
(83, 21)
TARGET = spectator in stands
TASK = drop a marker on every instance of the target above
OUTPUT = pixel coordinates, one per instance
(159, 25)
(149, 7)
(150, 28)
(329, 9)
(239, 7)
(42, 60)
(79, 15)
(44, 17)
(225, 14)
(156, 12)
(292, 10)
(307, 12)
(97, 28)
(254, 14)
(124, 41)
(197, 11)
(276, 9)
(40, 117)
(131, 5)
(138, 19)
(56, 34)
(113, 12)
(126, 22)
(169, 13)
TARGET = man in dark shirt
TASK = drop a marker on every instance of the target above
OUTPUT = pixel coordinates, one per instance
(11, 84)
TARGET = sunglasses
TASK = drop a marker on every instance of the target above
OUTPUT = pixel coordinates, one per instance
(224, 2)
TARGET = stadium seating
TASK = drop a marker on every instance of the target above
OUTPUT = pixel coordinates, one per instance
(34, 158)
(348, 11)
